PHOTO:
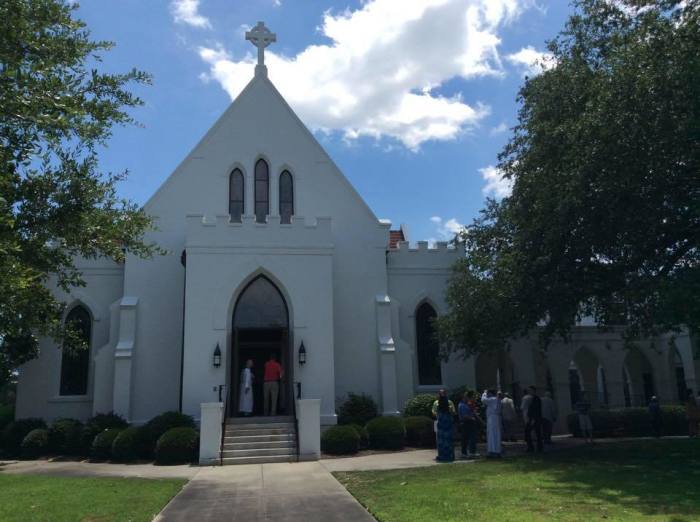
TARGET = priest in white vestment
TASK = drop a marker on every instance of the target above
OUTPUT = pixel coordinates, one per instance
(493, 422)
(245, 403)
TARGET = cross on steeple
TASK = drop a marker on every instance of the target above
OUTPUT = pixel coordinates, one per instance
(260, 36)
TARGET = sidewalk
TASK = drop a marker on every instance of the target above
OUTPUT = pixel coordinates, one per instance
(96, 469)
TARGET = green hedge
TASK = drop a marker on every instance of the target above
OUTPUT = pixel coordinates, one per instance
(35, 444)
(386, 433)
(101, 448)
(178, 446)
(340, 440)
(7, 415)
(420, 432)
(420, 406)
(14, 433)
(631, 422)
(132, 443)
(357, 409)
(96, 425)
(157, 426)
(362, 433)
(65, 436)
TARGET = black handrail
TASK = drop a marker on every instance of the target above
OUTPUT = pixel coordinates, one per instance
(223, 422)
(294, 413)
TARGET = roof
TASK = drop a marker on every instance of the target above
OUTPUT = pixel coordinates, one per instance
(394, 237)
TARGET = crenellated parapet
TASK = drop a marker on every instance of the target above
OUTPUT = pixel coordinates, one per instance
(441, 256)
(220, 232)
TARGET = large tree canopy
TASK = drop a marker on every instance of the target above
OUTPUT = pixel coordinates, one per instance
(604, 215)
(56, 109)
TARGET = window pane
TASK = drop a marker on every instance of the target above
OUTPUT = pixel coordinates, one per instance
(286, 197)
(236, 191)
(75, 360)
(262, 203)
(427, 347)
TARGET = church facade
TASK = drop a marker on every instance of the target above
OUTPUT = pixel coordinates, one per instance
(271, 251)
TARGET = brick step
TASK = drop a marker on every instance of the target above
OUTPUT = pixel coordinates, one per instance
(258, 460)
(280, 437)
(282, 444)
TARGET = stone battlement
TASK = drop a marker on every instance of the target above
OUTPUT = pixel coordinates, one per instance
(203, 231)
(422, 256)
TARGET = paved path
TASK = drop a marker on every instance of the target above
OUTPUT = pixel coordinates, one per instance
(96, 469)
(304, 491)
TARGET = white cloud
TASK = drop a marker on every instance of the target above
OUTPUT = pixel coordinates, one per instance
(499, 129)
(531, 61)
(377, 76)
(496, 185)
(186, 12)
(446, 230)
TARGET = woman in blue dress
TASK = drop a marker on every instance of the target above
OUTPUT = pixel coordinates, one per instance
(444, 412)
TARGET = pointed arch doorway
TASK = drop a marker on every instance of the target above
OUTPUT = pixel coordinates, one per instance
(260, 329)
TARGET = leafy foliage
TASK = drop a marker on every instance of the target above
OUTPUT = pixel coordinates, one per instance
(357, 409)
(35, 444)
(7, 415)
(420, 406)
(14, 433)
(178, 446)
(65, 436)
(386, 433)
(96, 425)
(604, 215)
(420, 431)
(166, 421)
(101, 448)
(340, 440)
(362, 433)
(131, 444)
(55, 204)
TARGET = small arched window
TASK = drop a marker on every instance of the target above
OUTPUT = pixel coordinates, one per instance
(75, 360)
(427, 347)
(286, 197)
(236, 190)
(262, 191)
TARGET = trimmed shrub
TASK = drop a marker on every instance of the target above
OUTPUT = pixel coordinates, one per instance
(631, 422)
(101, 448)
(340, 440)
(7, 415)
(157, 426)
(420, 432)
(96, 425)
(420, 406)
(131, 444)
(386, 433)
(14, 433)
(357, 409)
(364, 437)
(177, 446)
(35, 444)
(65, 436)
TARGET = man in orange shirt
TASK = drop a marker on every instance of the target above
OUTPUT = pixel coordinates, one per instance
(271, 387)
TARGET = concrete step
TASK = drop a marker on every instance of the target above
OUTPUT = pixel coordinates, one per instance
(283, 437)
(258, 460)
(282, 444)
(271, 452)
(260, 420)
(257, 432)
(266, 426)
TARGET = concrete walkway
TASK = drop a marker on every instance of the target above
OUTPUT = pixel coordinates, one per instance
(304, 491)
(96, 469)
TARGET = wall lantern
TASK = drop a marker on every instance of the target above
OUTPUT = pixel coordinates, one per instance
(217, 356)
(302, 353)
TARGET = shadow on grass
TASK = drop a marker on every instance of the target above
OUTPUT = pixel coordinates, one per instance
(651, 477)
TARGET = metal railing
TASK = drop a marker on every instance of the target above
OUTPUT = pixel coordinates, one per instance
(294, 415)
(227, 400)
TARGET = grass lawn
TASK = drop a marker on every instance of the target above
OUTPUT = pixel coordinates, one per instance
(643, 480)
(52, 498)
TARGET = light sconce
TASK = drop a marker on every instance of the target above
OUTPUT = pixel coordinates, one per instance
(302, 354)
(217, 356)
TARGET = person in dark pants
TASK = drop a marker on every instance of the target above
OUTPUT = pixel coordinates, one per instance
(533, 420)
(468, 425)
(655, 414)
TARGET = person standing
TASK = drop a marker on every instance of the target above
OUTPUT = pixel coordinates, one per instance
(245, 402)
(692, 413)
(271, 386)
(532, 411)
(444, 411)
(549, 416)
(493, 422)
(468, 425)
(583, 408)
(509, 417)
(655, 416)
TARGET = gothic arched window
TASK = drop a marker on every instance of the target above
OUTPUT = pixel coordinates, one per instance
(286, 197)
(427, 347)
(236, 191)
(75, 360)
(262, 191)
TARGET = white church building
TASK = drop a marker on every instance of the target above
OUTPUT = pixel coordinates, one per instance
(270, 250)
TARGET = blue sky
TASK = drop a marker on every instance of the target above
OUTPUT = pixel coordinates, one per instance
(413, 99)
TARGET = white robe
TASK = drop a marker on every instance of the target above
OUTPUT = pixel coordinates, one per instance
(493, 423)
(245, 403)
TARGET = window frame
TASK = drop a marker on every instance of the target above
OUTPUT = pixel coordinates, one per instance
(261, 217)
(62, 391)
(237, 171)
(427, 343)
(285, 174)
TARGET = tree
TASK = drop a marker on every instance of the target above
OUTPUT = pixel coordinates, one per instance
(55, 204)
(604, 215)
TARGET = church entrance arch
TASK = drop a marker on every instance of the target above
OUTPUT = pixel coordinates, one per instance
(260, 329)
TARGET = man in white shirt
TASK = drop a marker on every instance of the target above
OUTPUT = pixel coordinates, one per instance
(509, 416)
